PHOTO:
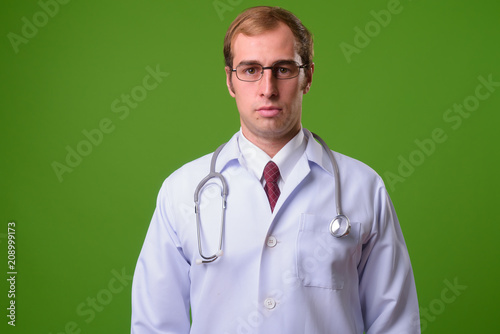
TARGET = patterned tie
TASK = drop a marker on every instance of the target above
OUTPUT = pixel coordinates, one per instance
(271, 175)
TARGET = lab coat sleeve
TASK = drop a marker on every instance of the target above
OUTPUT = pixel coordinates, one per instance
(160, 289)
(387, 288)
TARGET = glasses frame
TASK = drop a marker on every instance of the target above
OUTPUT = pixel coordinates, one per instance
(270, 68)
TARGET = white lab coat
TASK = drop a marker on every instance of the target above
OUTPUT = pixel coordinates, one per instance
(281, 271)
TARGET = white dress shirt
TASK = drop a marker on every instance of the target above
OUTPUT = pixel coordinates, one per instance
(254, 159)
(281, 271)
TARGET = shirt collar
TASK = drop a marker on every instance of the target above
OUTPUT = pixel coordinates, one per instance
(313, 152)
(255, 159)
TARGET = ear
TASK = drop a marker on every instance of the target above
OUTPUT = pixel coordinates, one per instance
(229, 83)
(309, 77)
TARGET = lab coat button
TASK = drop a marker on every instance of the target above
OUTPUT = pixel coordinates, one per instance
(271, 241)
(270, 303)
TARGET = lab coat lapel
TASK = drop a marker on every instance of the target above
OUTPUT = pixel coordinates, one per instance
(314, 153)
(299, 173)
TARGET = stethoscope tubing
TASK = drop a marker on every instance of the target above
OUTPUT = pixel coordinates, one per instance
(336, 173)
(224, 191)
(335, 224)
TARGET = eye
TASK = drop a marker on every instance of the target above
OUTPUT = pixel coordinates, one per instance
(285, 70)
(250, 70)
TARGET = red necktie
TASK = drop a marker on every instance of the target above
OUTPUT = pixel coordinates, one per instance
(271, 175)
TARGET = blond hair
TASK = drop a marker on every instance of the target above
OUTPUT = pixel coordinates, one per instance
(257, 20)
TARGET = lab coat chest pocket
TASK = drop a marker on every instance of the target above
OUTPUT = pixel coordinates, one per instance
(323, 260)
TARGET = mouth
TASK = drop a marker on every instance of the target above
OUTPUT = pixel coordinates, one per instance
(268, 111)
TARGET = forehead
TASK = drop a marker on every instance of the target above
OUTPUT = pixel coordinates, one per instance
(266, 48)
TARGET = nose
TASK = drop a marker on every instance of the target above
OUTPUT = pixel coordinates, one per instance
(268, 84)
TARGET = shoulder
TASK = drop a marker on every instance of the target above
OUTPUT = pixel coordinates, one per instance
(186, 178)
(193, 171)
(357, 178)
(188, 173)
(176, 194)
(350, 169)
(355, 168)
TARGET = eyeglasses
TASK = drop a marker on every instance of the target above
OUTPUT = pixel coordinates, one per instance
(286, 69)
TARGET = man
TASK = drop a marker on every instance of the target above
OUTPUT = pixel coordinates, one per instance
(277, 268)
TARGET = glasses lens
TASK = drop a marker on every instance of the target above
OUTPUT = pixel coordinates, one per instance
(250, 72)
(285, 70)
(280, 70)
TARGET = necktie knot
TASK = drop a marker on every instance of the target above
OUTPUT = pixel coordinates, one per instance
(271, 172)
(271, 175)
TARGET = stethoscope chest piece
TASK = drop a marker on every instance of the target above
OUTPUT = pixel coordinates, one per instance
(340, 226)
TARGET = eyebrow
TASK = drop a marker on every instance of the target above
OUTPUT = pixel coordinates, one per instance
(255, 62)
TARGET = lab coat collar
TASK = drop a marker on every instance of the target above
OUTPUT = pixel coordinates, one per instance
(314, 153)
(229, 154)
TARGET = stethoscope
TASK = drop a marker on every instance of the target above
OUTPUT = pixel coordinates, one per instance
(339, 227)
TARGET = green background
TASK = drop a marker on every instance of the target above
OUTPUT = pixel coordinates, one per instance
(76, 235)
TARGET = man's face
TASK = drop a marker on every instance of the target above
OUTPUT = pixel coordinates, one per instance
(270, 109)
